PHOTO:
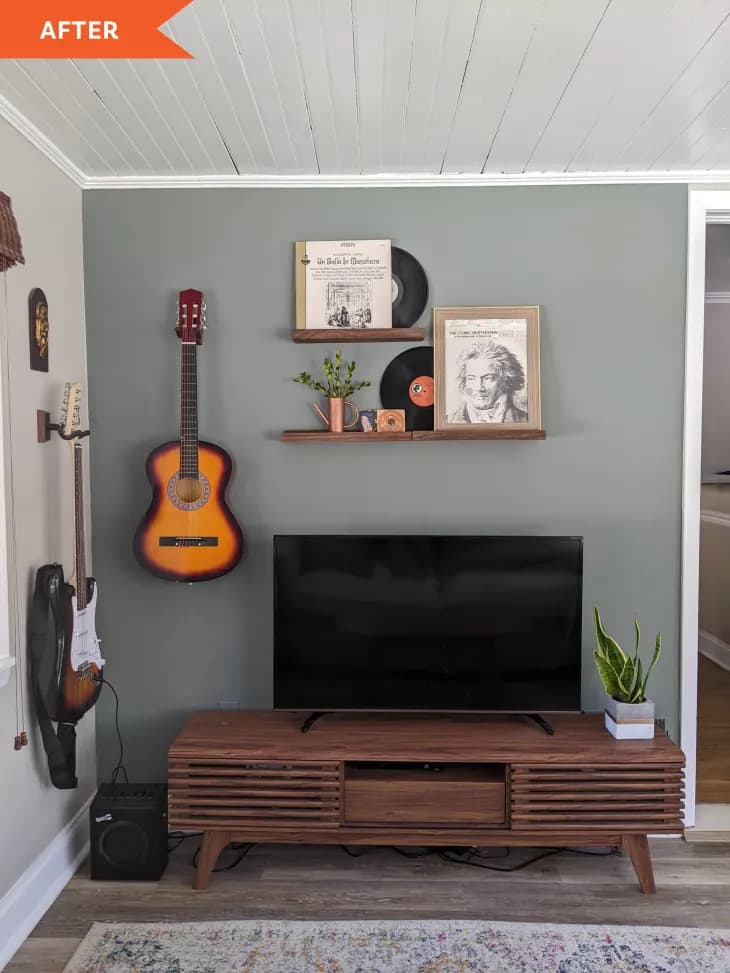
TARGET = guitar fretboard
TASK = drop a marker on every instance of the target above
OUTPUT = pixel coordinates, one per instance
(79, 528)
(188, 410)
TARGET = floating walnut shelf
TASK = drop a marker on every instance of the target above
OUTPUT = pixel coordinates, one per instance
(336, 335)
(318, 436)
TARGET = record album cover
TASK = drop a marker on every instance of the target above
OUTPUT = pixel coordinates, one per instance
(343, 284)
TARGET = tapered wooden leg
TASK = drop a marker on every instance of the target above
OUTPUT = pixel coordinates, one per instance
(213, 844)
(637, 847)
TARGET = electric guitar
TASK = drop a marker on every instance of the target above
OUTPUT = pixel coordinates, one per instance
(189, 532)
(65, 661)
(80, 662)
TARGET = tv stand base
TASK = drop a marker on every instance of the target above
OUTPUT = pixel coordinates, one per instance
(636, 846)
(311, 720)
(541, 722)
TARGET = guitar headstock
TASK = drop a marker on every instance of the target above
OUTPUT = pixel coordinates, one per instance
(190, 317)
(71, 409)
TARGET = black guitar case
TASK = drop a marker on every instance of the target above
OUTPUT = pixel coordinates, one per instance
(47, 645)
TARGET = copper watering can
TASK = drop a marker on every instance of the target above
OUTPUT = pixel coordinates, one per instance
(335, 419)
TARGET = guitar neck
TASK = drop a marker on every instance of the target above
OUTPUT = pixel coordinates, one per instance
(188, 409)
(81, 585)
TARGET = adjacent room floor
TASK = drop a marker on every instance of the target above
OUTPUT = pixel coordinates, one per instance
(693, 889)
(713, 734)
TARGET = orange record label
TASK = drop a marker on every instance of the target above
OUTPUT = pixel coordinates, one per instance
(420, 391)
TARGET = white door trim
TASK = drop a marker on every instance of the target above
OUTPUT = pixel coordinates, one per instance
(704, 206)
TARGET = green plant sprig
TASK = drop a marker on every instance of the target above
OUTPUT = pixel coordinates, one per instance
(622, 675)
(339, 385)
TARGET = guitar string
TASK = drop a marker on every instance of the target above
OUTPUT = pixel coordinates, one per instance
(12, 567)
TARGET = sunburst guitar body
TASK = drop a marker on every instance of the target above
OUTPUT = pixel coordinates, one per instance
(189, 533)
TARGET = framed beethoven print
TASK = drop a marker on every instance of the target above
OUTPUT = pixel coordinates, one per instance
(487, 367)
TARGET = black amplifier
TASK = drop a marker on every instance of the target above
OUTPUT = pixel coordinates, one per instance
(128, 825)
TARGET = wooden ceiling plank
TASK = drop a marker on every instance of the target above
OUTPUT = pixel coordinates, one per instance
(443, 42)
(108, 79)
(719, 154)
(68, 89)
(461, 30)
(617, 53)
(266, 144)
(370, 26)
(696, 140)
(273, 72)
(40, 109)
(428, 55)
(338, 30)
(502, 38)
(173, 114)
(146, 90)
(308, 27)
(565, 32)
(398, 33)
(688, 95)
(182, 82)
(637, 124)
(191, 32)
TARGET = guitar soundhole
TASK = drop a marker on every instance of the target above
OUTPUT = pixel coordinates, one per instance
(188, 492)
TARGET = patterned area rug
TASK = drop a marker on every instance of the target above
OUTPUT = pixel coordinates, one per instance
(397, 947)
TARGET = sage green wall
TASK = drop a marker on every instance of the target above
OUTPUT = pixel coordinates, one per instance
(607, 266)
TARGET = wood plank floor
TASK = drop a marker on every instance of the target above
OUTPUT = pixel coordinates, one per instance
(713, 733)
(284, 882)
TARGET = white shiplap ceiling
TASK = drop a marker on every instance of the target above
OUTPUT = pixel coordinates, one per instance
(424, 87)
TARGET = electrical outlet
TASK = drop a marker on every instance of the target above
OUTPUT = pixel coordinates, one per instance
(229, 704)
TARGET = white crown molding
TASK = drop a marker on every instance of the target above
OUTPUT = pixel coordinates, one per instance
(24, 905)
(40, 141)
(403, 180)
(717, 297)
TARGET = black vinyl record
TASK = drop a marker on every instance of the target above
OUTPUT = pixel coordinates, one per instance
(410, 288)
(407, 384)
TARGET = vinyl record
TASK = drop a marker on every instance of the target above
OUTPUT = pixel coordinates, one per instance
(407, 384)
(410, 288)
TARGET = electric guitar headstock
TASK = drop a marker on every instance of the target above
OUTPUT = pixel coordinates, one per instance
(190, 317)
(71, 411)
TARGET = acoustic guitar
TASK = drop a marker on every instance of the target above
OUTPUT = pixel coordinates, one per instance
(189, 532)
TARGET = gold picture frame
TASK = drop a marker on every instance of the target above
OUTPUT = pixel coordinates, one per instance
(487, 368)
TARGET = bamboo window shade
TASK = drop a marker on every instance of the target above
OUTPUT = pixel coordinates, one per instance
(11, 247)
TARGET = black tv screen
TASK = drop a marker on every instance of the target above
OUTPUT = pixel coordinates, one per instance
(440, 623)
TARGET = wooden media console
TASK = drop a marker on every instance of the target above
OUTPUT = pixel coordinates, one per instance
(416, 779)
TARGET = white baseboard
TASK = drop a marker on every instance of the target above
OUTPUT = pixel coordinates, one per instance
(715, 649)
(25, 904)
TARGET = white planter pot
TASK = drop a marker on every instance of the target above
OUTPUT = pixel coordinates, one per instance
(630, 721)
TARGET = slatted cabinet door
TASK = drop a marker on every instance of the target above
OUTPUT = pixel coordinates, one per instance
(629, 798)
(229, 793)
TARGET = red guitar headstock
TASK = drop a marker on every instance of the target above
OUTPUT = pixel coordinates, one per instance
(190, 316)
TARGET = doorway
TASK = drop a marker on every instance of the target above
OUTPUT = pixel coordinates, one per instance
(705, 649)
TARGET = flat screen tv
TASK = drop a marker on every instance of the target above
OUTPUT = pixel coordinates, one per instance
(430, 623)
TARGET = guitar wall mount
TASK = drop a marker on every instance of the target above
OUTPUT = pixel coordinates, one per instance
(45, 427)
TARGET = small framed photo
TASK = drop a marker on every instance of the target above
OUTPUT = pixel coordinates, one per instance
(487, 367)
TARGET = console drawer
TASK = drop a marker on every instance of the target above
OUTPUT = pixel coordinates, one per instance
(453, 794)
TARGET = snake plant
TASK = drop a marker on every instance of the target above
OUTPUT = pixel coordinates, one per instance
(622, 675)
